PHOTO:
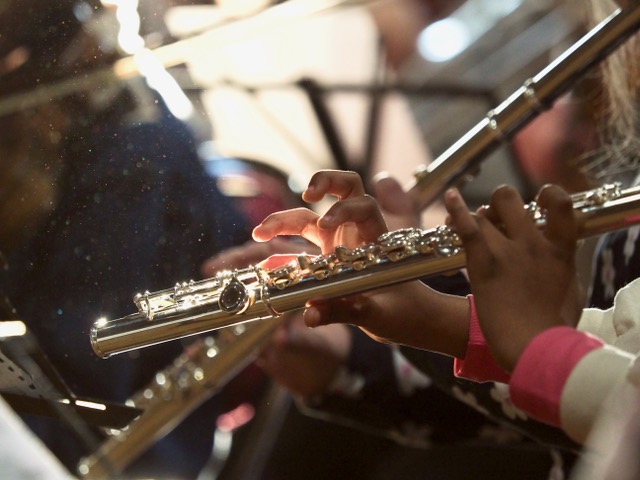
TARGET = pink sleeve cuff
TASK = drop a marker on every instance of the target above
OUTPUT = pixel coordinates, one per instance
(478, 364)
(543, 369)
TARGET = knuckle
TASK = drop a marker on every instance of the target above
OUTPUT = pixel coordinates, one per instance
(369, 200)
(468, 231)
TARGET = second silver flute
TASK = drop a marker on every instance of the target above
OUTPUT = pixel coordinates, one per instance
(250, 294)
(462, 160)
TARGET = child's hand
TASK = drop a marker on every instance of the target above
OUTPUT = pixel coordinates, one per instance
(409, 313)
(524, 280)
(268, 255)
(354, 219)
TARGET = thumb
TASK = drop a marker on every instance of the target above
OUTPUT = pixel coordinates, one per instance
(327, 312)
(391, 196)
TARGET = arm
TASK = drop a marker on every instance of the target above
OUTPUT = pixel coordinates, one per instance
(601, 369)
(550, 362)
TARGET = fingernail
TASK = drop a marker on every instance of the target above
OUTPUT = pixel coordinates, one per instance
(310, 190)
(380, 175)
(255, 233)
(452, 194)
(327, 220)
(311, 318)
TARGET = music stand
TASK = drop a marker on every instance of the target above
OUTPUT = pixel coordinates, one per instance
(30, 384)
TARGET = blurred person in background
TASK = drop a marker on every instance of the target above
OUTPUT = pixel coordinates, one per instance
(106, 196)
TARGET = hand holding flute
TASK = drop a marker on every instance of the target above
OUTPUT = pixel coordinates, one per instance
(254, 293)
(306, 360)
(524, 280)
(303, 360)
(392, 314)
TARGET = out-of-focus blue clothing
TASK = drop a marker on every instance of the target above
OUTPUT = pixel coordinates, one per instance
(136, 212)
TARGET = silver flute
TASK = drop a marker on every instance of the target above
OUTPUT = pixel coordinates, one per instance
(462, 160)
(253, 293)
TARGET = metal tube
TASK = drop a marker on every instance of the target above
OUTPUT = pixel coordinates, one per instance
(462, 160)
(398, 257)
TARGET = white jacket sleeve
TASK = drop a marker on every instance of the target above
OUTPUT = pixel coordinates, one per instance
(620, 324)
(605, 369)
(612, 447)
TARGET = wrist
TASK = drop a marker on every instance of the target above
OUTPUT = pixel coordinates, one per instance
(430, 320)
(543, 368)
(478, 363)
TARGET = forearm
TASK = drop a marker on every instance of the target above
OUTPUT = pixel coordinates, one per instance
(431, 320)
(563, 376)
(477, 363)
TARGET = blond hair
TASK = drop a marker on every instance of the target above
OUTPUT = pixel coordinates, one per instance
(617, 109)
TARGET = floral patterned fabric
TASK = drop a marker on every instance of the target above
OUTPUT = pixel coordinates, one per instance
(616, 264)
(413, 397)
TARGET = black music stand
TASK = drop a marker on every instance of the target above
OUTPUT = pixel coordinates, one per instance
(31, 385)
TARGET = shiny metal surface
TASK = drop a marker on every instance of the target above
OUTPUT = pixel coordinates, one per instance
(396, 257)
(461, 162)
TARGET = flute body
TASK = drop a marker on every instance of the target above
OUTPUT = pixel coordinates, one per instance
(250, 294)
